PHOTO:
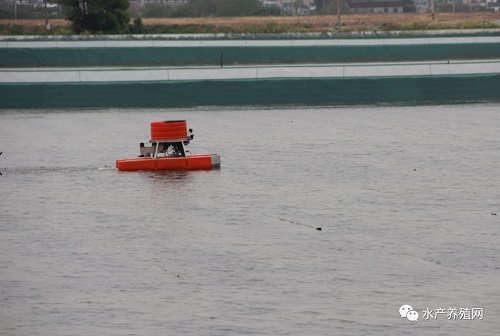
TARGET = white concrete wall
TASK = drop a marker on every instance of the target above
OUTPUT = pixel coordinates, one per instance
(251, 72)
(5, 42)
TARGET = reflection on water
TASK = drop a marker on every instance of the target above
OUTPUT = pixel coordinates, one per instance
(167, 177)
(168, 184)
(404, 197)
(52, 170)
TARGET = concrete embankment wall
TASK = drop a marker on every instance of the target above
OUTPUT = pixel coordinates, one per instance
(307, 91)
(158, 74)
(123, 53)
(58, 73)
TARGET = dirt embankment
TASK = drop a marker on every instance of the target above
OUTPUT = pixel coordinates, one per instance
(315, 23)
(325, 22)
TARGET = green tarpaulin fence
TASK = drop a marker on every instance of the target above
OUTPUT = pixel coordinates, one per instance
(372, 90)
(182, 56)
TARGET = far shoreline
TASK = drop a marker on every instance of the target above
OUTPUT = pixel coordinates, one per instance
(351, 23)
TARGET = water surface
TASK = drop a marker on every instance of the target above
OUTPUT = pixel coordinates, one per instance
(405, 198)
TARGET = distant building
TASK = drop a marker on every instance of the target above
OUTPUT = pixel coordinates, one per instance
(171, 3)
(490, 4)
(422, 6)
(304, 7)
(269, 3)
(390, 6)
(137, 5)
(494, 6)
(26, 8)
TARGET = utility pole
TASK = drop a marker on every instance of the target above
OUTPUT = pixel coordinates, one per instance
(432, 10)
(15, 9)
(46, 19)
(338, 14)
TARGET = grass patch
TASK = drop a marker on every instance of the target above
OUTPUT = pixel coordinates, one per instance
(274, 25)
(479, 25)
(16, 29)
(178, 29)
(442, 26)
(269, 27)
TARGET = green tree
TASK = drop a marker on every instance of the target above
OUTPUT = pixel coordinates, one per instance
(156, 10)
(97, 16)
(268, 11)
(183, 11)
(204, 8)
(237, 7)
(322, 5)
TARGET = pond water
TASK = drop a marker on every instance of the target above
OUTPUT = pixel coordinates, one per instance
(406, 199)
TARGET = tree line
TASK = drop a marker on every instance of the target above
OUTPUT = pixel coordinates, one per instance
(210, 8)
(112, 16)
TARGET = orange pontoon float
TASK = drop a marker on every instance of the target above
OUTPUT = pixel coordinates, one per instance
(167, 150)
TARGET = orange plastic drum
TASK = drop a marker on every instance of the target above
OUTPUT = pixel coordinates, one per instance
(168, 130)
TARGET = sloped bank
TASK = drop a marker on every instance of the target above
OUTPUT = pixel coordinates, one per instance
(362, 83)
(306, 91)
(169, 51)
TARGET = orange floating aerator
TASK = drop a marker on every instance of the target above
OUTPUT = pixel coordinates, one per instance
(167, 150)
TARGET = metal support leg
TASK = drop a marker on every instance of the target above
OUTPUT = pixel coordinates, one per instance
(156, 151)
